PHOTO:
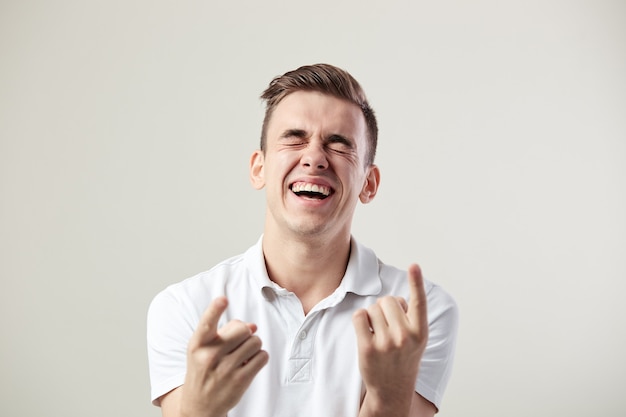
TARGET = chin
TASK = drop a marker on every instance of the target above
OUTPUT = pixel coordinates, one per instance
(309, 229)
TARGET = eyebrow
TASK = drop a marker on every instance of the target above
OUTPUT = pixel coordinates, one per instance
(298, 133)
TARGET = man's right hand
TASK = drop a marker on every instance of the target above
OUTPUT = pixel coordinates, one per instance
(220, 364)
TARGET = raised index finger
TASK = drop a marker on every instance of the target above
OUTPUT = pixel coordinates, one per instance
(207, 326)
(417, 312)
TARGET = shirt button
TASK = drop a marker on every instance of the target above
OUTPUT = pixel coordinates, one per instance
(302, 335)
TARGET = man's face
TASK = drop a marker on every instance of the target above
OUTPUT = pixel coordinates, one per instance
(313, 167)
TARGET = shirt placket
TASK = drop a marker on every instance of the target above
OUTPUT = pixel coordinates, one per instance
(302, 330)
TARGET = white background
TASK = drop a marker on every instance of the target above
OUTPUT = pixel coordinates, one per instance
(126, 129)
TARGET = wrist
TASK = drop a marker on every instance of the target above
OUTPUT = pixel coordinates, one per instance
(381, 405)
(186, 412)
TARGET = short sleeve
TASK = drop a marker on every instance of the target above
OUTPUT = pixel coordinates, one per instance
(169, 328)
(436, 365)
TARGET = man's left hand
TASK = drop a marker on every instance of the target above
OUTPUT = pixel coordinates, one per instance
(391, 338)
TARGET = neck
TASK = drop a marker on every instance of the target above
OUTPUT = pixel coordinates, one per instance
(310, 267)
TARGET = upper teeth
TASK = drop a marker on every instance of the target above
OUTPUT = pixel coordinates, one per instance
(306, 186)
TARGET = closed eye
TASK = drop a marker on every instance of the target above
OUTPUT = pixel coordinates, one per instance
(293, 137)
(340, 143)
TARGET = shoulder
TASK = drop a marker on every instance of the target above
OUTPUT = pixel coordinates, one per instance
(440, 301)
(227, 270)
(196, 292)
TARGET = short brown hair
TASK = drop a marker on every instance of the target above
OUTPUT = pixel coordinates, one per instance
(326, 79)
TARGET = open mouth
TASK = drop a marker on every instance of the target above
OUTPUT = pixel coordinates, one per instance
(309, 190)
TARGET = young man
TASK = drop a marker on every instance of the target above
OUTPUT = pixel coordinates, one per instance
(307, 322)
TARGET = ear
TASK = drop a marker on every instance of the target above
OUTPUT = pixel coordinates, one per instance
(257, 172)
(372, 180)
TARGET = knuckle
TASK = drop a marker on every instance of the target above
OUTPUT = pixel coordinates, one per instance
(368, 350)
(374, 308)
(239, 326)
(420, 332)
(233, 328)
(418, 340)
(256, 342)
(204, 357)
(359, 315)
(233, 324)
(386, 300)
(404, 337)
(242, 379)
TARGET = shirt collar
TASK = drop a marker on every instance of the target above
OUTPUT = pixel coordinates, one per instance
(256, 266)
(361, 276)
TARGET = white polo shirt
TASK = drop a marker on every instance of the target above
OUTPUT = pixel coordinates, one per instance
(313, 370)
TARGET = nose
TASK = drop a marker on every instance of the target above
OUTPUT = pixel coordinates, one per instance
(314, 157)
